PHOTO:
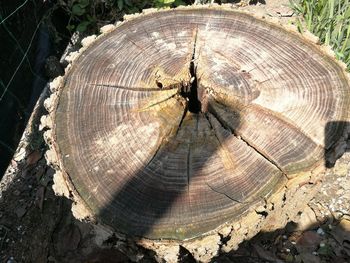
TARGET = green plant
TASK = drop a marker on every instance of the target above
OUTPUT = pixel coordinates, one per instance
(88, 14)
(129, 6)
(81, 14)
(168, 3)
(330, 21)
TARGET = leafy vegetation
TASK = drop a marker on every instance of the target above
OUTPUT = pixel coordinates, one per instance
(330, 21)
(90, 14)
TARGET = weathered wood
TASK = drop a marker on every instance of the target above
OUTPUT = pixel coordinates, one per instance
(180, 121)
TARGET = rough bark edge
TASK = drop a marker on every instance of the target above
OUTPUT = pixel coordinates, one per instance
(23, 150)
(300, 188)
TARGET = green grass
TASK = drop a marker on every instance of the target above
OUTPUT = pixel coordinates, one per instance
(330, 21)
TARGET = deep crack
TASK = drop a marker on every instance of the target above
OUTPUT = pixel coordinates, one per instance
(239, 136)
(190, 90)
(188, 167)
(182, 118)
(132, 89)
(223, 193)
(211, 126)
(158, 102)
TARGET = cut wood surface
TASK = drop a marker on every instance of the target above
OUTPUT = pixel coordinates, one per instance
(179, 121)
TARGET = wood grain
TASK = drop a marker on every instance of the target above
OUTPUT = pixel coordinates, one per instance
(181, 120)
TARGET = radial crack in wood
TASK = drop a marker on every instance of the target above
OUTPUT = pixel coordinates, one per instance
(181, 121)
(232, 124)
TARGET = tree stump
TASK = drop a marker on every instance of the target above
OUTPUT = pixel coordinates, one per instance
(192, 125)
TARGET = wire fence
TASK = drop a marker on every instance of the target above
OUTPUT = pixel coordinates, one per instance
(20, 23)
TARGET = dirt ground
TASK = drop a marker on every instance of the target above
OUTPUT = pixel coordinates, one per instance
(37, 226)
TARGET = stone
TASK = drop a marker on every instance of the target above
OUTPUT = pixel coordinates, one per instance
(308, 242)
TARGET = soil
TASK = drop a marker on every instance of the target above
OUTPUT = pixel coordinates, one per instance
(38, 226)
